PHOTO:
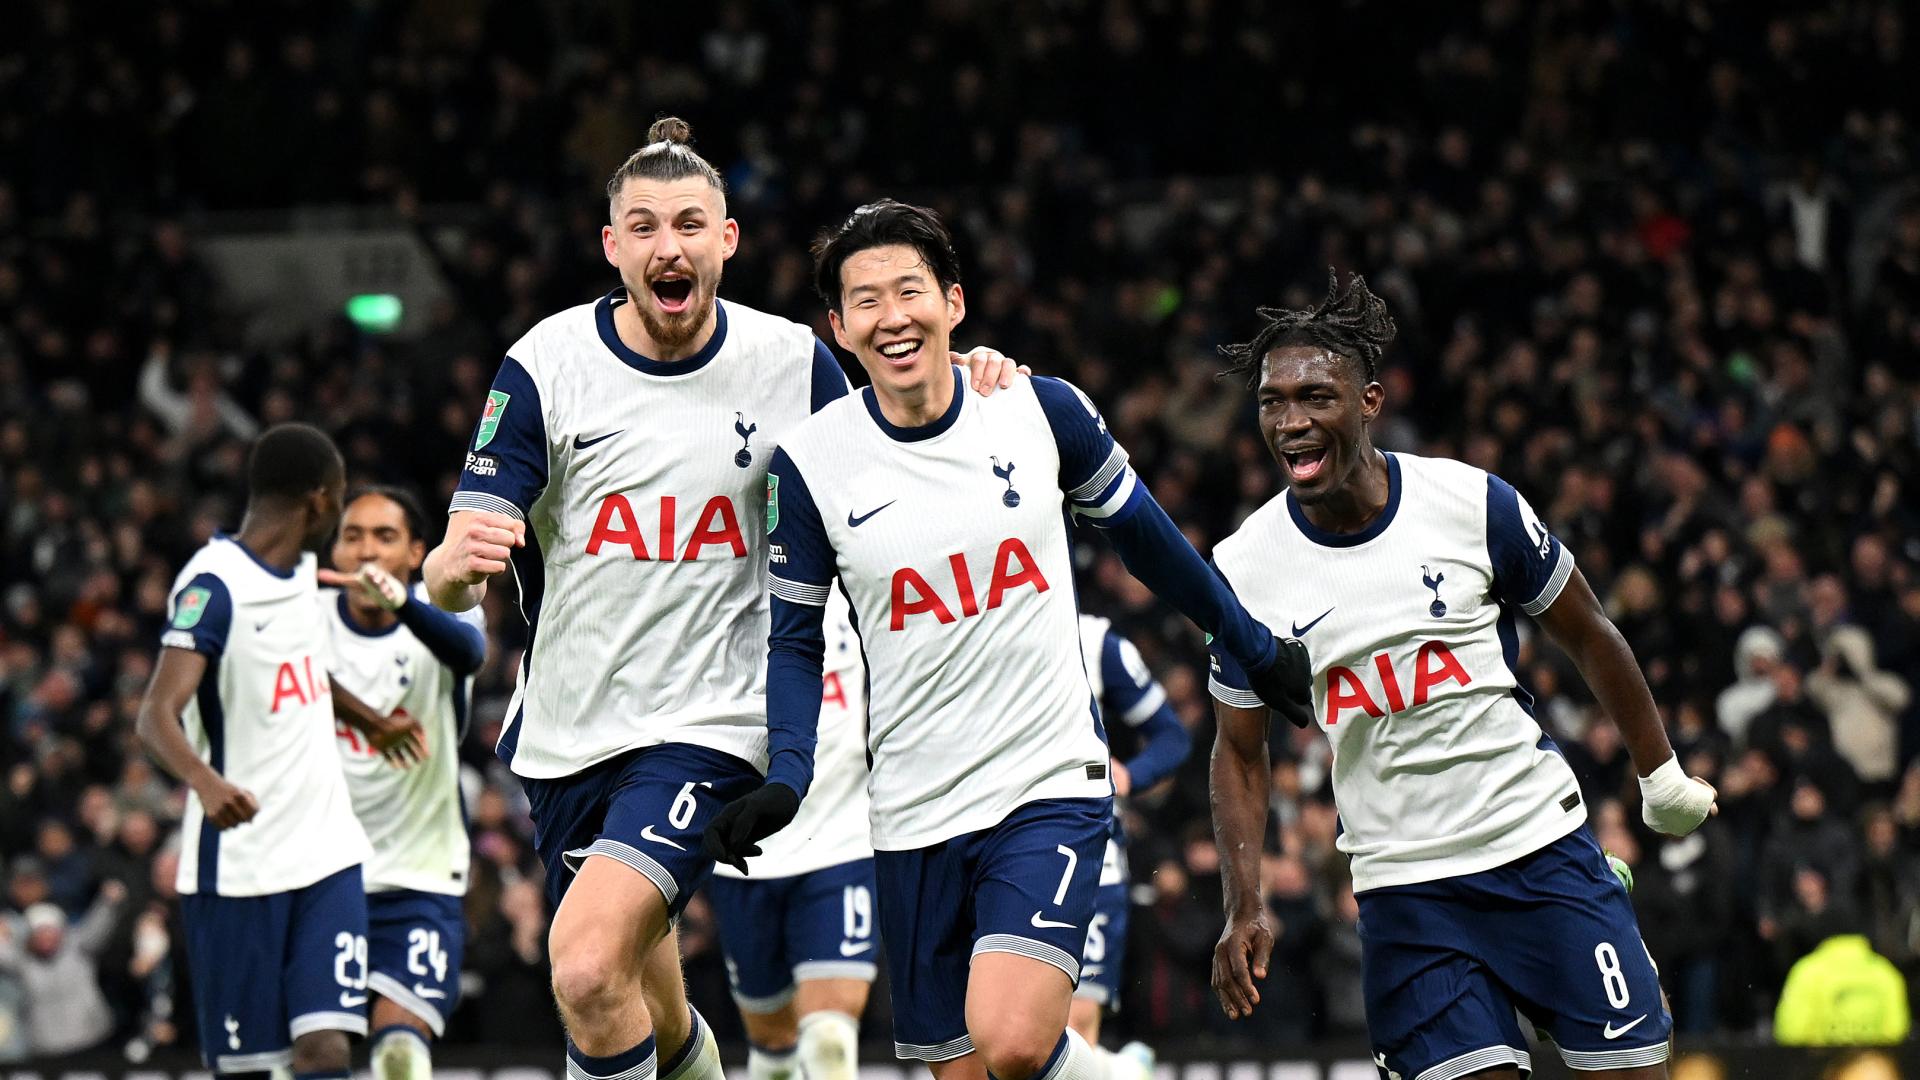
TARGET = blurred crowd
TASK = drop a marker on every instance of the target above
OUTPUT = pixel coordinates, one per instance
(1657, 262)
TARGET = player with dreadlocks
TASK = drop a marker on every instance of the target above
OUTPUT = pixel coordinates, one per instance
(1481, 889)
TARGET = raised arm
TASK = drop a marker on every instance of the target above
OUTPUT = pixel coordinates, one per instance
(505, 472)
(1104, 492)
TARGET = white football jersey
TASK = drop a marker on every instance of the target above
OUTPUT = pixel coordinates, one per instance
(831, 827)
(951, 541)
(643, 485)
(413, 817)
(1439, 769)
(263, 718)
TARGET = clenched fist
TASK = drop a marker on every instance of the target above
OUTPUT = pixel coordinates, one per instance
(479, 543)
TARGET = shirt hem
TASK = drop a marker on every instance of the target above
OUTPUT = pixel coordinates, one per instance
(1072, 788)
(1396, 873)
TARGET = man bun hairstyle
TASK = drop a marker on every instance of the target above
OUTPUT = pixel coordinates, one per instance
(1351, 322)
(883, 224)
(667, 156)
(290, 461)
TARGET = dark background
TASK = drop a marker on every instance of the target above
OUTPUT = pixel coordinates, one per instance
(1656, 263)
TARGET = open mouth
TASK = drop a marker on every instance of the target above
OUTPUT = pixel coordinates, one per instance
(1304, 465)
(901, 353)
(673, 294)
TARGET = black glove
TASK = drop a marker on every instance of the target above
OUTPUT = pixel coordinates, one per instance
(1286, 685)
(735, 833)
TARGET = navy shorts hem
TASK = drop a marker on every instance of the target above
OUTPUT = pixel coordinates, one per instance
(938, 1052)
(1467, 1064)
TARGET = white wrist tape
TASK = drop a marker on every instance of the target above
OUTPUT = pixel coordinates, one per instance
(1672, 802)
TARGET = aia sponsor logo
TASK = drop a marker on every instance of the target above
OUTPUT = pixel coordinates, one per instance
(1380, 688)
(714, 533)
(1014, 567)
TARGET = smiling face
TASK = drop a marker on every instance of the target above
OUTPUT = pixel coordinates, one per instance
(669, 240)
(1314, 409)
(894, 316)
(374, 530)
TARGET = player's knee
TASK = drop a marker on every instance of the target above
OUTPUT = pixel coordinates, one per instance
(589, 978)
(1018, 1054)
(321, 1052)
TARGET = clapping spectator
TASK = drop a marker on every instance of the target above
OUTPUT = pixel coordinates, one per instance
(65, 1011)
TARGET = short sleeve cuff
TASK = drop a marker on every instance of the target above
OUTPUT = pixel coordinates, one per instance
(1103, 476)
(1556, 581)
(1148, 704)
(181, 639)
(480, 500)
(798, 592)
(1233, 695)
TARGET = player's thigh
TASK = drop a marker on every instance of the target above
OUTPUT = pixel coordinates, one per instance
(236, 948)
(753, 941)
(325, 981)
(1572, 955)
(608, 922)
(415, 941)
(924, 899)
(830, 926)
(1016, 1009)
(1431, 1003)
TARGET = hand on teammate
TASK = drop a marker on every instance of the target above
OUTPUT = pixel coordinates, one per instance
(1240, 960)
(225, 803)
(480, 546)
(400, 739)
(735, 833)
(988, 370)
(1286, 685)
(371, 582)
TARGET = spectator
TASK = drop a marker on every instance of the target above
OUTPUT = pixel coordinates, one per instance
(1843, 994)
(1756, 652)
(65, 1011)
(1864, 704)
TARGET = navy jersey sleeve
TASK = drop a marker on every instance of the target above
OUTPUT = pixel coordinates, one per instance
(506, 466)
(1132, 693)
(829, 382)
(1226, 680)
(1136, 697)
(1530, 566)
(200, 616)
(458, 643)
(1094, 473)
(799, 575)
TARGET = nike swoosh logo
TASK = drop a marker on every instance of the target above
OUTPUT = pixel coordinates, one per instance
(259, 626)
(581, 442)
(648, 834)
(1611, 1032)
(854, 948)
(856, 522)
(1299, 630)
(349, 1001)
(1048, 924)
(425, 991)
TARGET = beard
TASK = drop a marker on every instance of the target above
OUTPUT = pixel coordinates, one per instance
(673, 331)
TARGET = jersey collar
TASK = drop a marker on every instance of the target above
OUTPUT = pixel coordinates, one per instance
(646, 365)
(1374, 528)
(925, 431)
(284, 575)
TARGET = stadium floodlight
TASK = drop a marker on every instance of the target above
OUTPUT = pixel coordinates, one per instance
(375, 313)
